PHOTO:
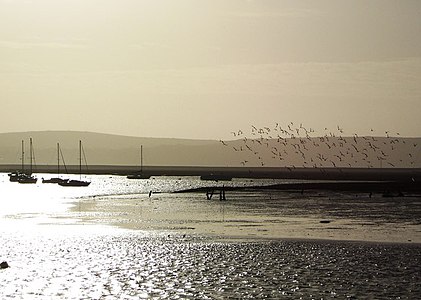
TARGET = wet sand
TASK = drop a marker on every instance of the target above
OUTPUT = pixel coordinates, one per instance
(261, 243)
(262, 215)
(141, 266)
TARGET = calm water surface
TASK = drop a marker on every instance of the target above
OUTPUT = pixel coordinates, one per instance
(53, 256)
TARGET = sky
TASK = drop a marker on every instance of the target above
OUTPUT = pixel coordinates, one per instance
(201, 69)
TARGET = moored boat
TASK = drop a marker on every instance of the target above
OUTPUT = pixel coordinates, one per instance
(74, 182)
(56, 179)
(26, 178)
(140, 174)
(22, 176)
(14, 176)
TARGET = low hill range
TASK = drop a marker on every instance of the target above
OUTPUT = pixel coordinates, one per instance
(303, 152)
(109, 149)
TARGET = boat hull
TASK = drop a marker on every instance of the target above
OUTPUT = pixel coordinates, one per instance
(138, 176)
(28, 179)
(74, 183)
(54, 180)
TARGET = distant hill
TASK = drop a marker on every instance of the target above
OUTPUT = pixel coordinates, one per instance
(108, 149)
(311, 152)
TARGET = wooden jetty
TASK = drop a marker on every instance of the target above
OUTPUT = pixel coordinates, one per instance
(211, 191)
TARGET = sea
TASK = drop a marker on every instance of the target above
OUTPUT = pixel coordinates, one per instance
(147, 239)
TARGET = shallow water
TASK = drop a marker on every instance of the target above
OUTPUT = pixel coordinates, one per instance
(59, 244)
(132, 266)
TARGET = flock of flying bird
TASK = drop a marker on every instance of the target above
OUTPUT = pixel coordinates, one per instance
(294, 146)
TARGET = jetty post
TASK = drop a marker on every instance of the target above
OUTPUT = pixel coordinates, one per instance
(210, 192)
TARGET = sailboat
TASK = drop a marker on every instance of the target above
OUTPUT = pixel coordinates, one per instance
(14, 176)
(56, 179)
(75, 182)
(139, 175)
(27, 177)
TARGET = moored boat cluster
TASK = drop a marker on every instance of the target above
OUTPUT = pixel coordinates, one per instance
(28, 177)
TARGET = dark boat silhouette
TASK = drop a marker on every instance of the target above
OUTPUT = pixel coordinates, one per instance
(56, 179)
(22, 176)
(216, 177)
(74, 182)
(26, 178)
(139, 175)
(14, 176)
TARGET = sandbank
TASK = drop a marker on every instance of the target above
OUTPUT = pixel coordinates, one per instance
(190, 214)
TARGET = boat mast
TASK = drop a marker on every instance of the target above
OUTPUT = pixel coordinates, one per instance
(80, 159)
(23, 158)
(141, 158)
(58, 159)
(30, 156)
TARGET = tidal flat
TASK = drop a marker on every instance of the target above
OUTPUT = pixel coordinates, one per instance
(114, 241)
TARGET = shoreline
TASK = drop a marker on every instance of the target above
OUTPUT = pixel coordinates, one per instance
(228, 173)
(389, 181)
(388, 188)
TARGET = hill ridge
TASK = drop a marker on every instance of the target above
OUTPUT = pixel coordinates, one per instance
(307, 152)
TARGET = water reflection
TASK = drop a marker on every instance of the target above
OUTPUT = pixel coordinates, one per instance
(125, 266)
(43, 199)
(68, 259)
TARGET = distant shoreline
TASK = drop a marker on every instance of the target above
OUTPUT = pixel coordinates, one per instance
(386, 188)
(366, 180)
(215, 172)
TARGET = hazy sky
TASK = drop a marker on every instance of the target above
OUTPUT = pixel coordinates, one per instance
(203, 68)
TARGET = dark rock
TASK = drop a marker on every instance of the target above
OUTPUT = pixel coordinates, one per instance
(4, 265)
